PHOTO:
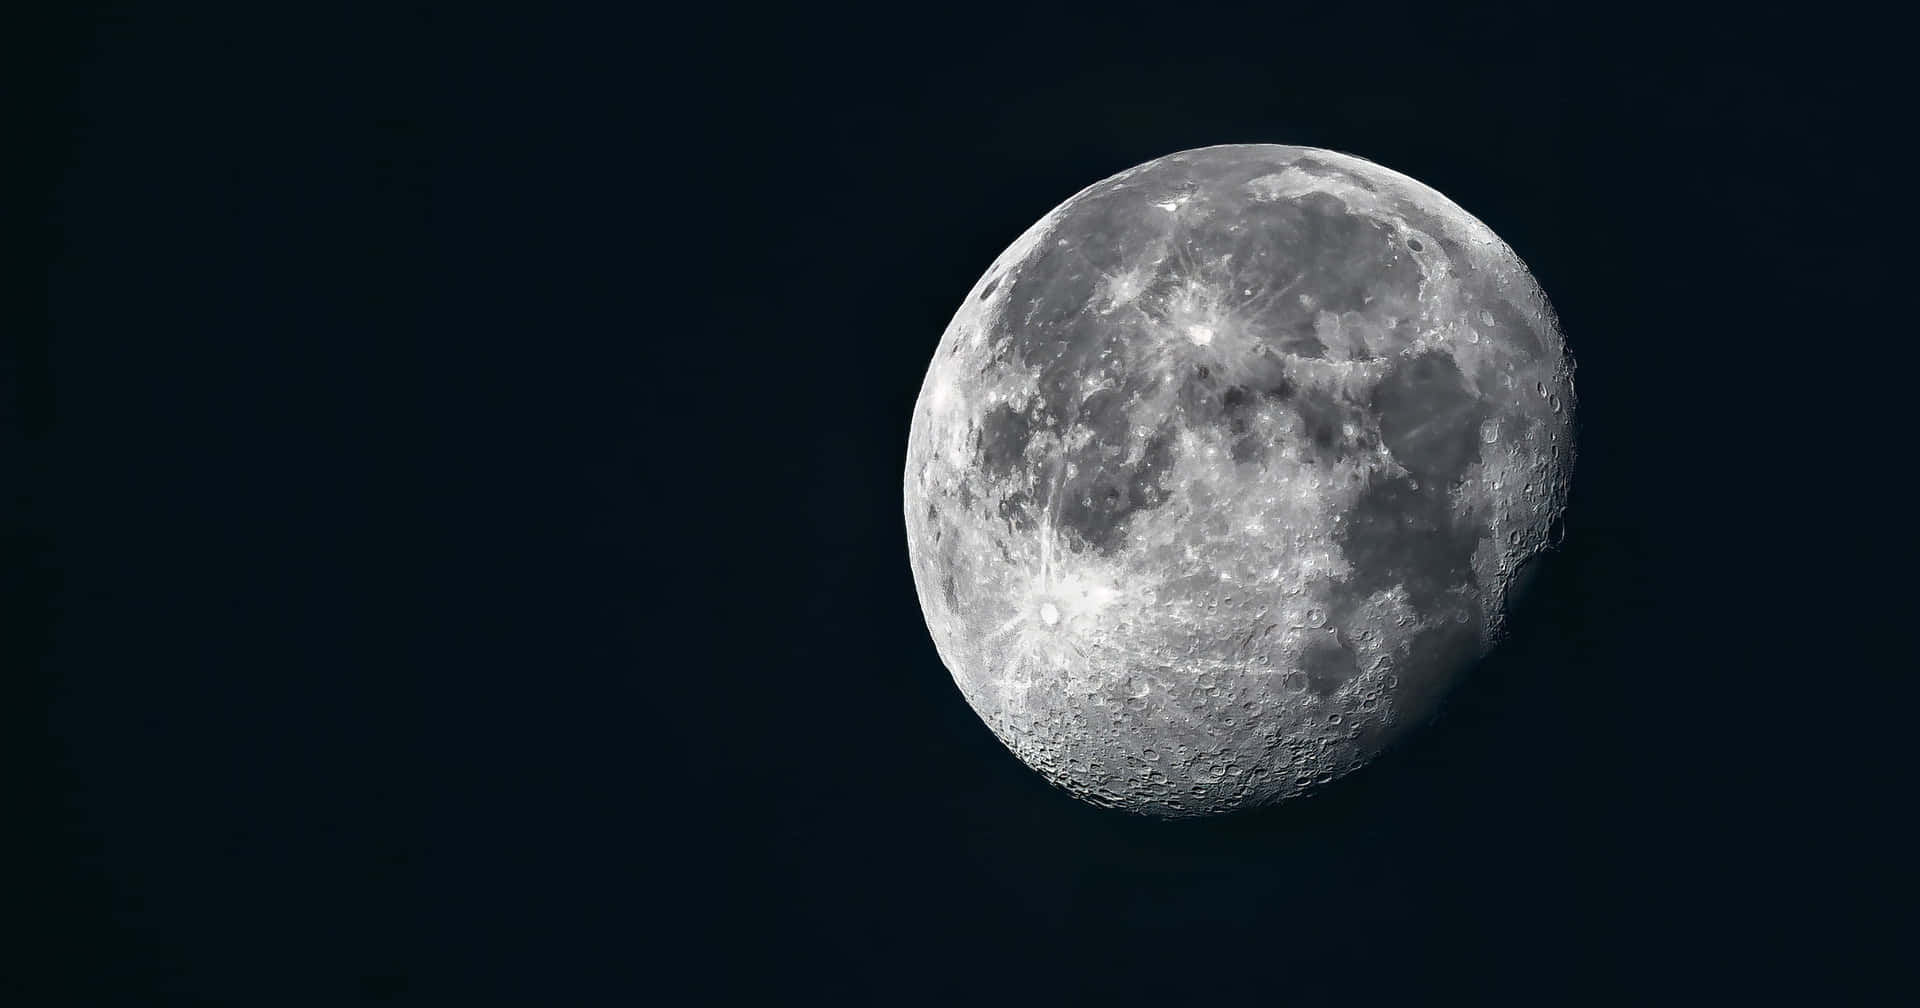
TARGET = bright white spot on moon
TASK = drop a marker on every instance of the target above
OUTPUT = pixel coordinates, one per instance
(1200, 334)
(1049, 613)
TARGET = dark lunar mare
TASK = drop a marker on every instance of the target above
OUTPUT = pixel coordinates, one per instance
(1055, 327)
(1429, 419)
(1400, 534)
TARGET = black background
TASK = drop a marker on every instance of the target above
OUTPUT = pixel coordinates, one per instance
(459, 556)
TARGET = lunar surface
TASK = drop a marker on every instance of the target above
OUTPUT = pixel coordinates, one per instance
(1222, 473)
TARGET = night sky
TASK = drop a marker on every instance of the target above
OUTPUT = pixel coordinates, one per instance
(460, 556)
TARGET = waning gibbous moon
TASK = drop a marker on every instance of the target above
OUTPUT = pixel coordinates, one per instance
(1222, 473)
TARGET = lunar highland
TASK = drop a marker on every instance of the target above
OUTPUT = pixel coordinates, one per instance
(1221, 475)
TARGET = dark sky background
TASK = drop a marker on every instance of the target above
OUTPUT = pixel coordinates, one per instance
(459, 557)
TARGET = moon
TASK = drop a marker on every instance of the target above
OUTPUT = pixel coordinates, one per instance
(1222, 473)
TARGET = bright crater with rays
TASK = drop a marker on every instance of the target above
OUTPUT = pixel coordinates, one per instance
(1221, 474)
